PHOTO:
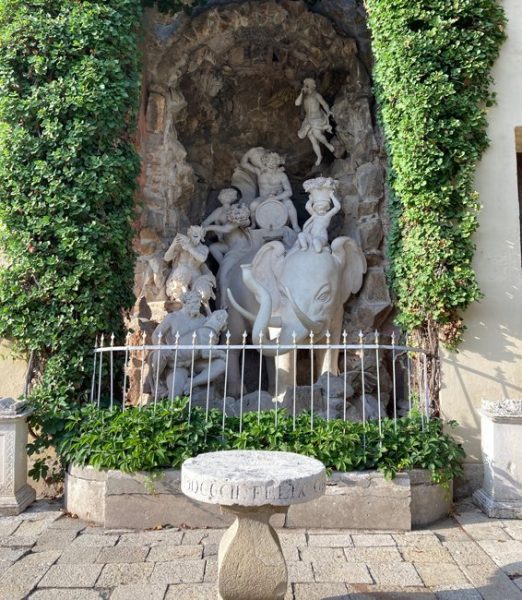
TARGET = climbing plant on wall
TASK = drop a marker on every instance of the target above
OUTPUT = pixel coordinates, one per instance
(69, 88)
(432, 76)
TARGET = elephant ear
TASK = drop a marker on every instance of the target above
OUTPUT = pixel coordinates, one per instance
(267, 267)
(348, 252)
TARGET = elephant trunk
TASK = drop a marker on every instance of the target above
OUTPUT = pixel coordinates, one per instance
(264, 300)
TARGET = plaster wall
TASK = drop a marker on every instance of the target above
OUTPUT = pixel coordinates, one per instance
(12, 372)
(489, 362)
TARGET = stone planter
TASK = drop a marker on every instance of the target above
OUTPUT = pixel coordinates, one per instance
(357, 500)
(501, 492)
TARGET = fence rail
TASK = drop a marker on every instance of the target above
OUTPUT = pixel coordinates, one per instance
(362, 380)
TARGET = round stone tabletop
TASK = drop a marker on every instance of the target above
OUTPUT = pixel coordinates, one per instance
(252, 478)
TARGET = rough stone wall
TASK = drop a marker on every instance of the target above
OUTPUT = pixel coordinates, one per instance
(226, 80)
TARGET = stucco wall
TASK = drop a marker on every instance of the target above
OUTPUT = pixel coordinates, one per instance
(12, 373)
(489, 363)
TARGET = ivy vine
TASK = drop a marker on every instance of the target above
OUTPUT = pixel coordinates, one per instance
(432, 76)
(69, 89)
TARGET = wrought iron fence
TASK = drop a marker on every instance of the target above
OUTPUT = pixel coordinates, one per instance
(375, 377)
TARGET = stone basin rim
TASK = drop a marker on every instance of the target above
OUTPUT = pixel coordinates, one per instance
(253, 478)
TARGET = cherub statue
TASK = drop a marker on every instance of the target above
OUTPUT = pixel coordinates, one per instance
(188, 254)
(272, 181)
(315, 231)
(317, 118)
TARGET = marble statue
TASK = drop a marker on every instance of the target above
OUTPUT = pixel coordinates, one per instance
(182, 328)
(231, 231)
(227, 197)
(188, 254)
(317, 118)
(315, 231)
(272, 182)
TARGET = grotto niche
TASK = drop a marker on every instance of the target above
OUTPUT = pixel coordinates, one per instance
(226, 80)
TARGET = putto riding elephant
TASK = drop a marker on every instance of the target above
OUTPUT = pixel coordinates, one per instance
(295, 292)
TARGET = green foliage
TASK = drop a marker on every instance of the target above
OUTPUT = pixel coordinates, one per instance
(153, 437)
(432, 74)
(69, 88)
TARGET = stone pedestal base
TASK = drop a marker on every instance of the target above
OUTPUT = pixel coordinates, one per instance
(13, 505)
(251, 565)
(496, 509)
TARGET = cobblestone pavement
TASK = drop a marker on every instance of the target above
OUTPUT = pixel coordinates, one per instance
(47, 556)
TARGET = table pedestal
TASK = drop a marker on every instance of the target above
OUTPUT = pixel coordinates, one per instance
(251, 565)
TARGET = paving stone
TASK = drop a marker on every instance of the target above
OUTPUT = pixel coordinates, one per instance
(79, 554)
(211, 572)
(377, 539)
(95, 540)
(152, 538)
(467, 553)
(68, 575)
(417, 539)
(394, 573)
(8, 526)
(436, 574)
(322, 554)
(203, 536)
(300, 572)
(188, 571)
(320, 591)
(165, 553)
(296, 538)
(387, 592)
(331, 540)
(514, 529)
(426, 554)
(139, 592)
(200, 591)
(492, 583)
(20, 578)
(449, 530)
(68, 594)
(344, 572)
(122, 554)
(11, 554)
(459, 592)
(484, 531)
(506, 554)
(124, 574)
(372, 554)
(18, 541)
(68, 523)
(212, 550)
(33, 527)
(54, 539)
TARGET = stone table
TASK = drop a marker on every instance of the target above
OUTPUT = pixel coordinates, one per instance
(252, 485)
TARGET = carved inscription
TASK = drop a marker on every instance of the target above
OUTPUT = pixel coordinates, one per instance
(234, 493)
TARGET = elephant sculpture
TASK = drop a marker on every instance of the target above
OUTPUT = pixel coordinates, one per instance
(290, 293)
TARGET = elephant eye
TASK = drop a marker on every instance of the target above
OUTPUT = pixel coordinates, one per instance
(324, 297)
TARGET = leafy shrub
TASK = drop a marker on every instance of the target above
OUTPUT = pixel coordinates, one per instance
(69, 89)
(153, 437)
(432, 79)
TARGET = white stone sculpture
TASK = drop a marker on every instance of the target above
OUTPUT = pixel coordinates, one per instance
(315, 231)
(15, 493)
(227, 197)
(253, 486)
(189, 272)
(272, 182)
(171, 370)
(501, 493)
(317, 118)
(232, 232)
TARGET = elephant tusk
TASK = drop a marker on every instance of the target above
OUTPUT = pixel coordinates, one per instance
(274, 321)
(312, 326)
